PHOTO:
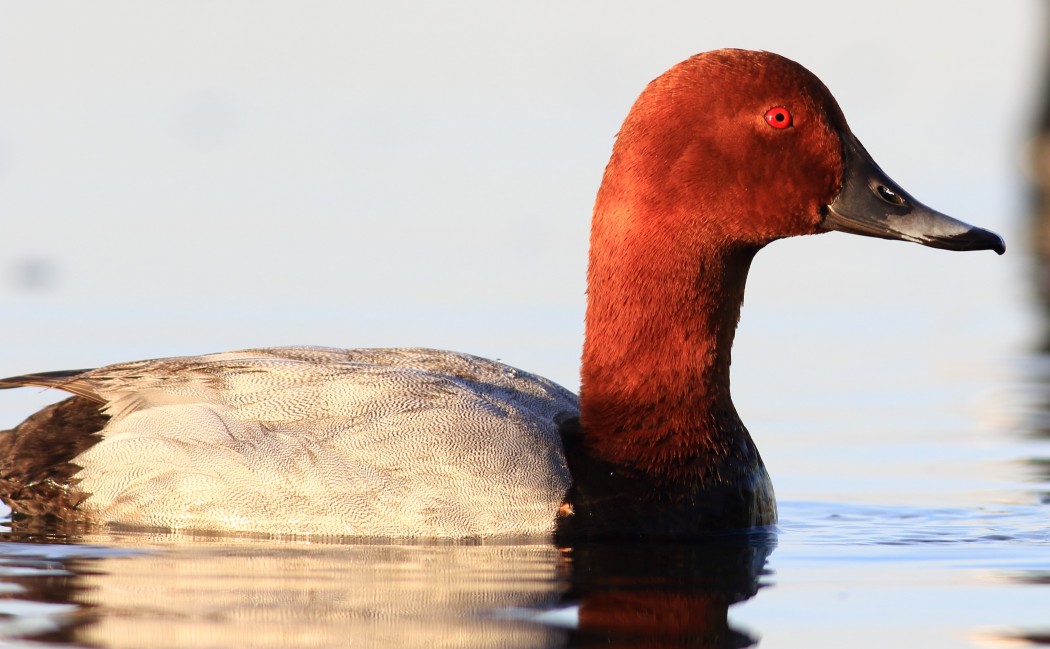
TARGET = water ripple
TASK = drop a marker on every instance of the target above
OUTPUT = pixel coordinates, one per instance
(849, 524)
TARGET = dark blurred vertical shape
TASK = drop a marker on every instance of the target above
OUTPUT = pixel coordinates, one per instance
(1040, 179)
(1038, 423)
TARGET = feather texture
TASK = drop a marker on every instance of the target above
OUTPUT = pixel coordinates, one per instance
(366, 442)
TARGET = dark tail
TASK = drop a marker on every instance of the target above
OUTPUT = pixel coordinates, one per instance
(63, 380)
(41, 378)
(36, 468)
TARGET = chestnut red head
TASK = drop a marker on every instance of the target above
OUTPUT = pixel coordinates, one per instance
(746, 147)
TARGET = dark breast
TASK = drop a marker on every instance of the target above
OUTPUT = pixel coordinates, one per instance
(608, 502)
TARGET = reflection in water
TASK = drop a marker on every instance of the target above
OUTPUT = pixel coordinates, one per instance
(273, 595)
(211, 592)
(1021, 638)
(1038, 635)
(169, 591)
(666, 595)
(1032, 577)
(1035, 392)
(1034, 415)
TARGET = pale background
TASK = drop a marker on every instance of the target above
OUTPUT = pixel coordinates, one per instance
(191, 177)
(187, 177)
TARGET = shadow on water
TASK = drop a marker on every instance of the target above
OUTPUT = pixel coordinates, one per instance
(169, 591)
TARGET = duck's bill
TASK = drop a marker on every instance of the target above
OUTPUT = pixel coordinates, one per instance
(871, 204)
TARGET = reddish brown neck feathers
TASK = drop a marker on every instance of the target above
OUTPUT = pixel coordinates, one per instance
(698, 182)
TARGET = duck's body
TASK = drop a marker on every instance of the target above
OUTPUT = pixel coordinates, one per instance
(724, 153)
(372, 442)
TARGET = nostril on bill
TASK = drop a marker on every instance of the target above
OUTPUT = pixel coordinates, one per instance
(888, 195)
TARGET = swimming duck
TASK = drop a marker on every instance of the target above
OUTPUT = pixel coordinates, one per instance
(721, 155)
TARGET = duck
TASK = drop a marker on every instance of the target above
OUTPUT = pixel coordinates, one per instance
(719, 156)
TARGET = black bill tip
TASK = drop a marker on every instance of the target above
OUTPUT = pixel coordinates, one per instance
(973, 239)
(871, 204)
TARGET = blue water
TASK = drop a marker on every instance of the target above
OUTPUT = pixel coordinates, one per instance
(835, 575)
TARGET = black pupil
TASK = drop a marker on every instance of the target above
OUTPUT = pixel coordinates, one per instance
(779, 116)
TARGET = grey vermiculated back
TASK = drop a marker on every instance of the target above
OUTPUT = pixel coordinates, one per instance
(311, 440)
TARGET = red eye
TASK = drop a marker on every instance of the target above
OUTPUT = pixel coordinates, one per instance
(778, 117)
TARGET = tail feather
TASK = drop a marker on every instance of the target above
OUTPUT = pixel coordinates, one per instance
(66, 380)
(36, 457)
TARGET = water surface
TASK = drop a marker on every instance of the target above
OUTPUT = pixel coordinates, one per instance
(378, 174)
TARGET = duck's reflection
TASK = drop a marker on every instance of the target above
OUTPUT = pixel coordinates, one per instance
(666, 595)
(230, 592)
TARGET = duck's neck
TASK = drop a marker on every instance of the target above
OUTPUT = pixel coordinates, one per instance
(661, 318)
